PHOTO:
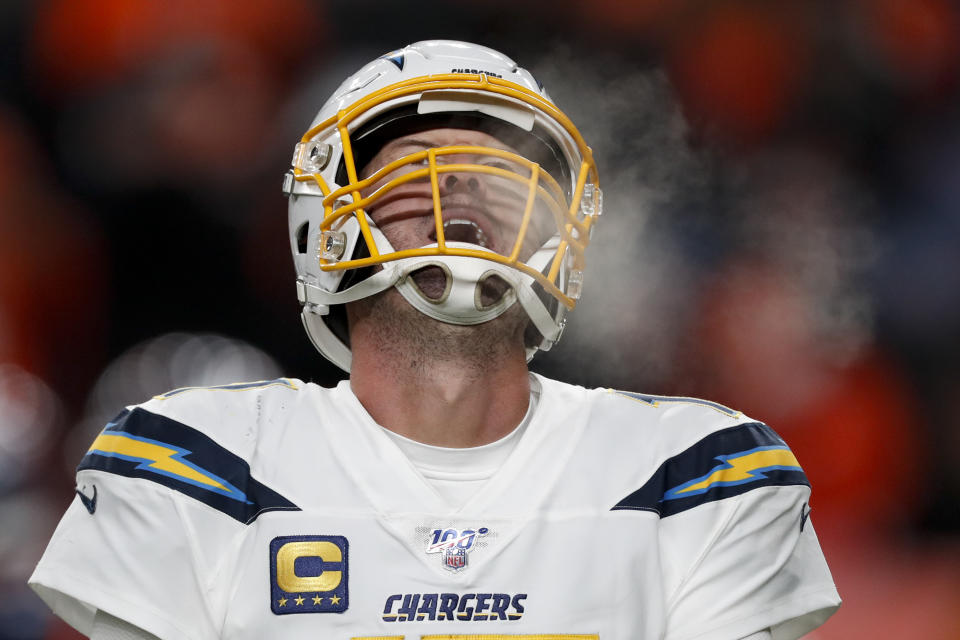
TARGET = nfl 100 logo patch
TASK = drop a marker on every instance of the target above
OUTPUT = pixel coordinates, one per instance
(454, 545)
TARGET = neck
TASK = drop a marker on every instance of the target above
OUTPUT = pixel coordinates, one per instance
(440, 384)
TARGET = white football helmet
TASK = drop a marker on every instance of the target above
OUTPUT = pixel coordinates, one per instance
(543, 172)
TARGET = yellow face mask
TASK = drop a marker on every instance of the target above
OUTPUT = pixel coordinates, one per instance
(519, 211)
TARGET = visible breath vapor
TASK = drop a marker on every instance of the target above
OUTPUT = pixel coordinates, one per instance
(636, 275)
(676, 216)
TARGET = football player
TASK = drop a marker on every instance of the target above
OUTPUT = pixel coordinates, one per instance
(440, 210)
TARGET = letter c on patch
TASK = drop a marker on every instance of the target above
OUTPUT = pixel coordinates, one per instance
(327, 552)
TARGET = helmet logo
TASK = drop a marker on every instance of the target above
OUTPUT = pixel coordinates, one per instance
(395, 58)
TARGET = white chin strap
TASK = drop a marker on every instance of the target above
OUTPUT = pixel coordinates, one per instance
(461, 302)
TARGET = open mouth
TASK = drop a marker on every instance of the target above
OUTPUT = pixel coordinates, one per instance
(462, 230)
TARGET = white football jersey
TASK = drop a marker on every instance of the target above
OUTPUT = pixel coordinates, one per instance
(280, 509)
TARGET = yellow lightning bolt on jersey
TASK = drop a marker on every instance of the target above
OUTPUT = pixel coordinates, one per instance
(161, 458)
(738, 468)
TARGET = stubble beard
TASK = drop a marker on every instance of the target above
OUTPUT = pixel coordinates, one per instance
(414, 343)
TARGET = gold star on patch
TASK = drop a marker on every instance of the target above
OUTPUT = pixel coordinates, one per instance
(317, 599)
(299, 600)
(282, 602)
(334, 599)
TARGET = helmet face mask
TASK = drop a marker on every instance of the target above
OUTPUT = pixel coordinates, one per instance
(476, 176)
(482, 187)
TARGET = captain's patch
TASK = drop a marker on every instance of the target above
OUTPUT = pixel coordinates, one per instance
(308, 574)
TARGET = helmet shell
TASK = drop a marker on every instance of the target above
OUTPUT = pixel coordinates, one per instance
(369, 94)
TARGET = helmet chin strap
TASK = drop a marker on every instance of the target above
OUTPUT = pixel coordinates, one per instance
(461, 302)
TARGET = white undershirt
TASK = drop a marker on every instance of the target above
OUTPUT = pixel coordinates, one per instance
(458, 474)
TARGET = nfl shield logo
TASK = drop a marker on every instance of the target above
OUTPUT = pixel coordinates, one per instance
(455, 545)
(455, 558)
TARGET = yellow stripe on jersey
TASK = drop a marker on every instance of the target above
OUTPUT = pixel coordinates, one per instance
(150, 446)
(744, 467)
(161, 458)
(723, 464)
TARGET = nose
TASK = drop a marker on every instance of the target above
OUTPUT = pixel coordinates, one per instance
(462, 183)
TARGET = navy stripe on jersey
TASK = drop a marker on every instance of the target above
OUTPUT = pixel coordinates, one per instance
(724, 464)
(142, 444)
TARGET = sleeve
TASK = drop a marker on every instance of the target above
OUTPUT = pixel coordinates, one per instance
(738, 553)
(757, 564)
(131, 555)
(107, 627)
(159, 507)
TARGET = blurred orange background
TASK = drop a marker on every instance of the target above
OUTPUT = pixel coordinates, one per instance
(781, 229)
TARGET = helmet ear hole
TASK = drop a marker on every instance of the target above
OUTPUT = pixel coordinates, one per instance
(301, 236)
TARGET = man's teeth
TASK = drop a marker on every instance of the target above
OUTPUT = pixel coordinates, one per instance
(460, 230)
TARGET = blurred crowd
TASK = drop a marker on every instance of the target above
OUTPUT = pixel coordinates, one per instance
(781, 235)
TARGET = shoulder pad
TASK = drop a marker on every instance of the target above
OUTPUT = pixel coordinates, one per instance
(195, 440)
(668, 401)
(228, 413)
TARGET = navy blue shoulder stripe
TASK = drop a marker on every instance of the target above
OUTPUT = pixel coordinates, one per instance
(724, 464)
(142, 444)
